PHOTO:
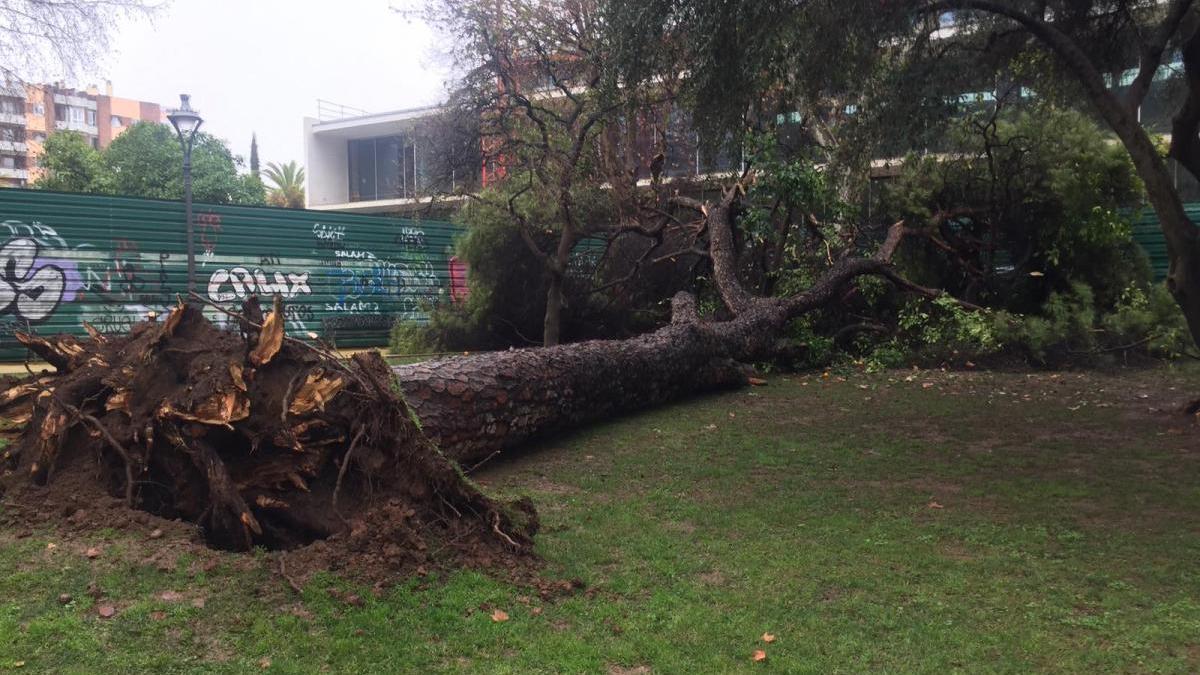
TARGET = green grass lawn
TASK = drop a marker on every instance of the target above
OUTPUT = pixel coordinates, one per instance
(925, 522)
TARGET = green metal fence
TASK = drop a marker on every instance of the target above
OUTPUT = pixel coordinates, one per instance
(67, 258)
(1148, 234)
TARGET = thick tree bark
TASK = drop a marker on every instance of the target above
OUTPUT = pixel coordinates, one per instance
(475, 406)
(552, 320)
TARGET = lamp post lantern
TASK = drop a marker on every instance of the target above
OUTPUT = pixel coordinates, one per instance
(187, 122)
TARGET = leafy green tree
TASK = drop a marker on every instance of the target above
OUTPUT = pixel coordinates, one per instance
(1026, 202)
(146, 161)
(71, 165)
(287, 182)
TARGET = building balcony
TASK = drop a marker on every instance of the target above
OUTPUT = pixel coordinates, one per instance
(397, 205)
(76, 101)
(82, 127)
(13, 146)
(13, 119)
(22, 174)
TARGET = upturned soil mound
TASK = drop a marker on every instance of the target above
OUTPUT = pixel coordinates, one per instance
(256, 438)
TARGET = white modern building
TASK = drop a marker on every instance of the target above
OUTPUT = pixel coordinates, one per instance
(387, 162)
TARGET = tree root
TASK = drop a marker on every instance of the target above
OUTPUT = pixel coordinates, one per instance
(251, 435)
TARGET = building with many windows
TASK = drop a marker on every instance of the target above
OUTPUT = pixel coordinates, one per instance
(30, 112)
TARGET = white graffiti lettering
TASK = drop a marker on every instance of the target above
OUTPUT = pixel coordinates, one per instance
(410, 238)
(244, 282)
(44, 235)
(354, 255)
(329, 232)
(31, 294)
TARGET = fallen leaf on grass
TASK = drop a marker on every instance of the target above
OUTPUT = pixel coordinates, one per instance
(768, 638)
(171, 596)
(93, 553)
(158, 616)
(536, 611)
(264, 663)
(759, 655)
(757, 382)
(499, 615)
(935, 505)
(106, 611)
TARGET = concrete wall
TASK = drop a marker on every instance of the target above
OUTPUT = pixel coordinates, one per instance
(326, 168)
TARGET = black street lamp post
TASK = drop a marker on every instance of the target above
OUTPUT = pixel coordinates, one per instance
(187, 122)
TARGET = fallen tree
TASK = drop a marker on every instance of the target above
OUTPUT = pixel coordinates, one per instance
(476, 406)
(266, 440)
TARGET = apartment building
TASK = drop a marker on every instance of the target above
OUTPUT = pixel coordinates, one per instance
(31, 112)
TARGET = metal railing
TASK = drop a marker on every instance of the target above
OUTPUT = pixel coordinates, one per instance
(328, 111)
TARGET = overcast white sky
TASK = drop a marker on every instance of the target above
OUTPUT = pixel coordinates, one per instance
(259, 65)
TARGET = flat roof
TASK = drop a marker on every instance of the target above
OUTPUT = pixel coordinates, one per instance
(365, 126)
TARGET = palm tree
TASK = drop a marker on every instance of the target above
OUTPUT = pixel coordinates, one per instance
(288, 180)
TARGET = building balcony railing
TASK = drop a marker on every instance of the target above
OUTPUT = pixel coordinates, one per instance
(12, 118)
(13, 146)
(76, 126)
(77, 101)
(22, 174)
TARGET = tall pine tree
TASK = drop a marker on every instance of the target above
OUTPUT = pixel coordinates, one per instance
(254, 155)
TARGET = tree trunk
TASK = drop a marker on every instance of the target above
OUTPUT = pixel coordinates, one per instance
(552, 321)
(476, 405)
(1183, 242)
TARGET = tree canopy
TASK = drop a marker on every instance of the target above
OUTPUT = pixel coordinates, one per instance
(146, 161)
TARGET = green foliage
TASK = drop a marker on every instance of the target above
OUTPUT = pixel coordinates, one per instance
(287, 182)
(72, 165)
(1070, 330)
(146, 161)
(409, 337)
(1035, 195)
(254, 154)
(936, 332)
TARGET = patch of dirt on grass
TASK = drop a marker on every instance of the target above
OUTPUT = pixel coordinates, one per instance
(628, 670)
(712, 578)
(956, 551)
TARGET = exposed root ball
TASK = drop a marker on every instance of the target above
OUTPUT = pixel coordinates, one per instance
(256, 438)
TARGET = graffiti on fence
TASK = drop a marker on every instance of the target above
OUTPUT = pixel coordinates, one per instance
(352, 278)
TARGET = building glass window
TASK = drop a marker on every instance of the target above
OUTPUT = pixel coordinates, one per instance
(12, 134)
(115, 121)
(382, 168)
(39, 109)
(90, 116)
